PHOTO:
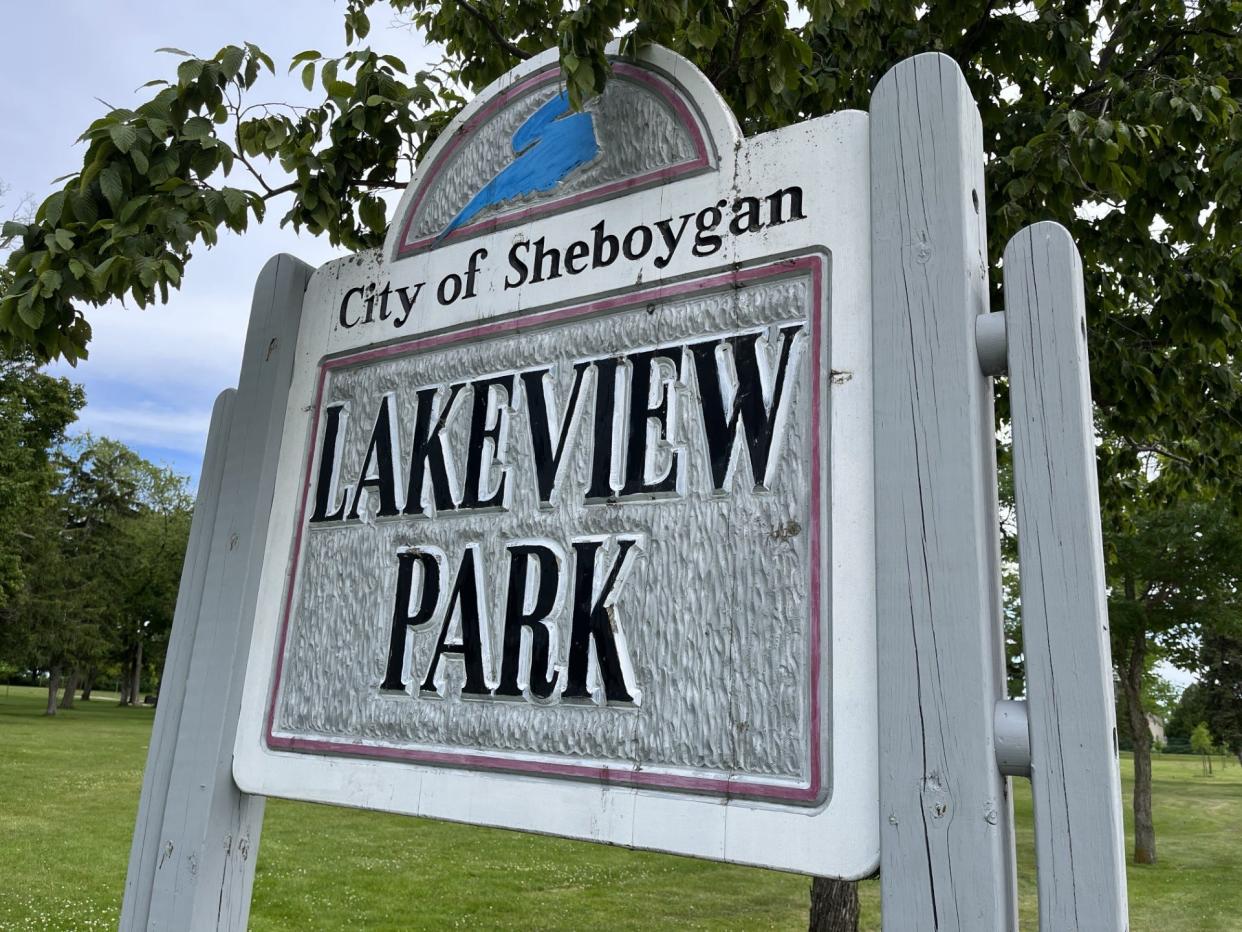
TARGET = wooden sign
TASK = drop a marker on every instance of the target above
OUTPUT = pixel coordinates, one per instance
(580, 508)
(572, 529)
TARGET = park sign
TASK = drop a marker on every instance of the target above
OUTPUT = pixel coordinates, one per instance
(572, 526)
(579, 508)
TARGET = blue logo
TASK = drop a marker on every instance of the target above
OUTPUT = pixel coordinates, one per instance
(547, 148)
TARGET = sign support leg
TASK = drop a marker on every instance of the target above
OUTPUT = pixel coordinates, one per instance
(196, 838)
(946, 825)
(1075, 779)
(154, 799)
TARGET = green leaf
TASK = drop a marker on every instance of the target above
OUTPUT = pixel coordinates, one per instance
(64, 239)
(12, 228)
(231, 59)
(123, 136)
(53, 208)
(132, 207)
(140, 161)
(99, 277)
(197, 128)
(372, 211)
(111, 187)
(261, 57)
(168, 49)
(50, 281)
(308, 76)
(188, 72)
(328, 75)
(30, 313)
(395, 63)
(308, 55)
(235, 200)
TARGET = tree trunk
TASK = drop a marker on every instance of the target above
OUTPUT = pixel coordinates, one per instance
(1140, 735)
(834, 905)
(88, 684)
(53, 684)
(71, 687)
(136, 683)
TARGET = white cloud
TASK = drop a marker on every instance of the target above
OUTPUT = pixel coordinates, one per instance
(184, 431)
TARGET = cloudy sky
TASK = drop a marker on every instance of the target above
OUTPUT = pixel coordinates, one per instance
(153, 374)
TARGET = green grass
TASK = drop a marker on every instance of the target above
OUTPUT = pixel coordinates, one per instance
(69, 790)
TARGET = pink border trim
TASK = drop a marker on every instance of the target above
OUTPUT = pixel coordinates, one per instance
(552, 73)
(622, 776)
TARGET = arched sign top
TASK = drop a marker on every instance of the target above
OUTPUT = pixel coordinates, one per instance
(519, 151)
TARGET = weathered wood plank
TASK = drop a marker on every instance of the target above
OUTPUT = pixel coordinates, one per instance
(209, 831)
(145, 847)
(945, 813)
(1079, 843)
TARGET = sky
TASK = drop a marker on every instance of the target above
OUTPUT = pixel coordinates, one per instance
(153, 374)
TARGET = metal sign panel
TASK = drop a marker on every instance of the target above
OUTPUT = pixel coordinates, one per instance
(573, 523)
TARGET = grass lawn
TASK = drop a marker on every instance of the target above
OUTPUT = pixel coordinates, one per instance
(69, 790)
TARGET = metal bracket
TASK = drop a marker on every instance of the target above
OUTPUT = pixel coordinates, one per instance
(1013, 736)
(991, 343)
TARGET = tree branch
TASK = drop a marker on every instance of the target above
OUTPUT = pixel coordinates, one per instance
(1159, 451)
(739, 27)
(968, 45)
(492, 30)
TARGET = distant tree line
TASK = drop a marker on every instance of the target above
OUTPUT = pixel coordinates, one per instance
(92, 537)
(1215, 700)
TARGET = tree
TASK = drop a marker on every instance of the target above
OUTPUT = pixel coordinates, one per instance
(155, 540)
(1217, 697)
(104, 552)
(35, 410)
(1201, 743)
(1160, 697)
(1191, 709)
(125, 523)
(1176, 577)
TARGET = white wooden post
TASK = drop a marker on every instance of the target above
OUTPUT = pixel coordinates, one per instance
(1075, 779)
(196, 839)
(946, 827)
(154, 798)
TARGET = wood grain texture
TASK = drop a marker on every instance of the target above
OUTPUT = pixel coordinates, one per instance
(1079, 846)
(207, 841)
(945, 814)
(144, 850)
